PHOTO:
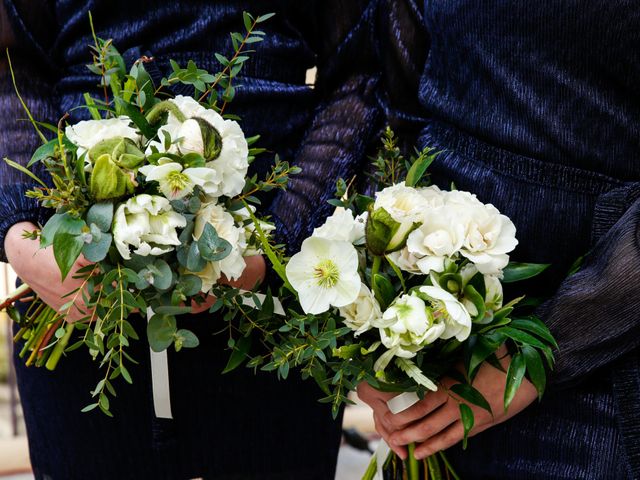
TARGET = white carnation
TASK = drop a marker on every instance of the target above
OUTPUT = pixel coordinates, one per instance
(342, 225)
(88, 133)
(362, 314)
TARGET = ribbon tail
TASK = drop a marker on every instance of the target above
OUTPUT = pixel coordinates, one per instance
(160, 380)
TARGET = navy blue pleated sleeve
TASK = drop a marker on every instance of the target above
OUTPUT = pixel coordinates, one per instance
(345, 123)
(18, 139)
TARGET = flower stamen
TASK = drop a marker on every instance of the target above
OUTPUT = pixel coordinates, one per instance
(327, 273)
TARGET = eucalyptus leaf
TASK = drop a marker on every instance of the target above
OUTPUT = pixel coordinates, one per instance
(161, 331)
(97, 251)
(101, 214)
(212, 247)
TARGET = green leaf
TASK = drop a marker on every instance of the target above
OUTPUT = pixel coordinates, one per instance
(212, 247)
(102, 215)
(515, 272)
(239, 354)
(24, 170)
(60, 222)
(138, 118)
(97, 251)
(419, 168)
(67, 247)
(471, 395)
(481, 349)
(515, 374)
(163, 276)
(522, 337)
(535, 369)
(264, 18)
(161, 331)
(95, 113)
(535, 326)
(172, 310)
(189, 285)
(187, 338)
(383, 290)
(194, 261)
(466, 415)
(477, 300)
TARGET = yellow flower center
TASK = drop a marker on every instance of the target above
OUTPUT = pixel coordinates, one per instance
(327, 273)
(177, 181)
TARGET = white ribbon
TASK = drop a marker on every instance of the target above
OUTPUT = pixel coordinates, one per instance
(160, 380)
(160, 364)
(396, 405)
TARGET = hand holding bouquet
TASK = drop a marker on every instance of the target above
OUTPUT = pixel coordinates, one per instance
(152, 196)
(400, 290)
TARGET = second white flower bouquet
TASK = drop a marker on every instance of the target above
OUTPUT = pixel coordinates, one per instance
(400, 290)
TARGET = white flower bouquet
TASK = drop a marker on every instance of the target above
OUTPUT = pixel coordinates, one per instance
(399, 290)
(153, 191)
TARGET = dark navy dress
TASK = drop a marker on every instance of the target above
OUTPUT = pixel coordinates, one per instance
(537, 108)
(236, 426)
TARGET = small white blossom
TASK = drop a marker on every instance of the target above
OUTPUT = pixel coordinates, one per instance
(362, 314)
(448, 311)
(342, 225)
(177, 182)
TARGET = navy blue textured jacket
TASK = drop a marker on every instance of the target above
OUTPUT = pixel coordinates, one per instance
(537, 107)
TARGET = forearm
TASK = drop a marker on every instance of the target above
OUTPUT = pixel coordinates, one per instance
(595, 313)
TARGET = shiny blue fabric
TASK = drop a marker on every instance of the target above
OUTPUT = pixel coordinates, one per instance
(236, 426)
(534, 105)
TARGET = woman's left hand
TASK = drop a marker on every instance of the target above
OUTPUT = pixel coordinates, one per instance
(252, 276)
(434, 423)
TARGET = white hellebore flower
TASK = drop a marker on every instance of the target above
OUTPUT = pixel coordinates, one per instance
(362, 314)
(88, 133)
(407, 326)
(226, 150)
(449, 312)
(325, 274)
(440, 236)
(176, 181)
(148, 224)
(341, 225)
(231, 266)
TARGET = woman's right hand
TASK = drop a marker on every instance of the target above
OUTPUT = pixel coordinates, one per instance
(38, 268)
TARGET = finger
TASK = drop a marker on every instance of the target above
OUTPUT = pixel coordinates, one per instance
(399, 450)
(424, 407)
(445, 439)
(252, 275)
(376, 399)
(427, 427)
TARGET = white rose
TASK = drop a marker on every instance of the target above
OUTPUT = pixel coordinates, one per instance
(407, 204)
(362, 314)
(408, 325)
(231, 266)
(440, 237)
(88, 133)
(489, 235)
(341, 225)
(148, 224)
(231, 162)
(405, 260)
(448, 311)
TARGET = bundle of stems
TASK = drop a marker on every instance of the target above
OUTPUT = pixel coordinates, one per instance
(43, 330)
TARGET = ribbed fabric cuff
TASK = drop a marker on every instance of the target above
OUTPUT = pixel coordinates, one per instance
(15, 207)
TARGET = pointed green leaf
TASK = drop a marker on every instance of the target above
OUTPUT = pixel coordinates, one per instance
(535, 369)
(515, 374)
(515, 272)
(466, 415)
